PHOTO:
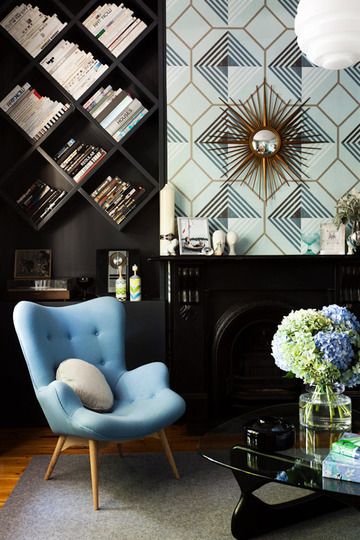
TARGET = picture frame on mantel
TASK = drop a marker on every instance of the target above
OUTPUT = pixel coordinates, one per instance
(332, 239)
(194, 236)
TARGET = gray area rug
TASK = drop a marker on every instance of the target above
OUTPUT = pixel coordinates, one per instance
(140, 500)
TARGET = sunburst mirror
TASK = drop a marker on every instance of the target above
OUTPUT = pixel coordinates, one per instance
(262, 141)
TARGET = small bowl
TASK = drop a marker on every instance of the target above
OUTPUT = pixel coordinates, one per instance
(269, 433)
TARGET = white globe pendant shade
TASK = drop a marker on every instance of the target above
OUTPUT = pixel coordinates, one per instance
(328, 32)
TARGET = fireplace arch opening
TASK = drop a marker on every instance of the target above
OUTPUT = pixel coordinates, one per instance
(244, 374)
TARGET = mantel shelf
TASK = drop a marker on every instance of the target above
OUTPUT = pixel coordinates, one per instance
(203, 259)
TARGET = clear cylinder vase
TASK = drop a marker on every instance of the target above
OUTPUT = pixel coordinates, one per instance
(325, 407)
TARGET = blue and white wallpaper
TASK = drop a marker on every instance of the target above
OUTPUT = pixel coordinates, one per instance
(223, 49)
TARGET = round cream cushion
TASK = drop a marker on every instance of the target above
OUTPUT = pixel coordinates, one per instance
(88, 383)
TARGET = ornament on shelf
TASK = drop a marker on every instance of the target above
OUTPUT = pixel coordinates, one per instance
(218, 240)
(120, 286)
(168, 241)
(135, 285)
(231, 239)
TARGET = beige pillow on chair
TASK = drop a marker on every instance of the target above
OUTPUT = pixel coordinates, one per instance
(88, 383)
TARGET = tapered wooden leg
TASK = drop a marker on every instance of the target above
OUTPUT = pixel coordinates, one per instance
(120, 449)
(168, 453)
(59, 445)
(93, 450)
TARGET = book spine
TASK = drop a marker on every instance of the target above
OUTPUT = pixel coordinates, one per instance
(121, 109)
(101, 187)
(122, 132)
(64, 149)
(16, 15)
(89, 166)
(129, 38)
(14, 96)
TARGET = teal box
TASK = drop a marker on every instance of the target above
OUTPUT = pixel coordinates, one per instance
(341, 467)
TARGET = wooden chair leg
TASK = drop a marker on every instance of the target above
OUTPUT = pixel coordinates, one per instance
(168, 453)
(120, 449)
(59, 445)
(93, 451)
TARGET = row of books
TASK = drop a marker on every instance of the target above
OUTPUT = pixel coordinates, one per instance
(35, 114)
(117, 197)
(31, 28)
(77, 159)
(114, 26)
(115, 110)
(73, 68)
(39, 200)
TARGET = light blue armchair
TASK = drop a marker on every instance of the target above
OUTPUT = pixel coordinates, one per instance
(93, 331)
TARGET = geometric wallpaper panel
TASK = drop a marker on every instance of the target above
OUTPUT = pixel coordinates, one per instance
(220, 50)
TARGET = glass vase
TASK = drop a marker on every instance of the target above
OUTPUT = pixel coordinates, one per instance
(325, 407)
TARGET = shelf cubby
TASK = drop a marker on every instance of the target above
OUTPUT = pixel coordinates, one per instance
(20, 180)
(146, 48)
(117, 166)
(14, 148)
(144, 154)
(47, 8)
(41, 83)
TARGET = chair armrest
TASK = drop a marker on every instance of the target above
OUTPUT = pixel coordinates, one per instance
(143, 382)
(59, 402)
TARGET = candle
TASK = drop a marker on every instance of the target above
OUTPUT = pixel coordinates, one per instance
(167, 210)
(167, 216)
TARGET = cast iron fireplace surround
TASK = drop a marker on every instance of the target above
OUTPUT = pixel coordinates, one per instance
(223, 312)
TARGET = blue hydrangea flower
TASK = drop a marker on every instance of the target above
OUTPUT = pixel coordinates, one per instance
(336, 348)
(353, 381)
(282, 476)
(341, 316)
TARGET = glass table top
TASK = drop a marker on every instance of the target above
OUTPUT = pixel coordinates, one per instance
(299, 466)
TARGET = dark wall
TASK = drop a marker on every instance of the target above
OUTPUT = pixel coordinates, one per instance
(74, 234)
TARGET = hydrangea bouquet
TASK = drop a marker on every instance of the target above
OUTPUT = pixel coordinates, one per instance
(321, 347)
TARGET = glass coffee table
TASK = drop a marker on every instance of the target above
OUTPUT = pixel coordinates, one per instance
(299, 466)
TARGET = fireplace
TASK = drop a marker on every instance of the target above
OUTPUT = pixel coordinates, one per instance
(244, 373)
(222, 314)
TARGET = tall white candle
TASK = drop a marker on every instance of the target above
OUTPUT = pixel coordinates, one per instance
(167, 210)
(167, 216)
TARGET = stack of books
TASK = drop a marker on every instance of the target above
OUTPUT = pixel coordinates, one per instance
(35, 114)
(343, 461)
(115, 110)
(39, 200)
(31, 28)
(77, 159)
(73, 68)
(114, 26)
(117, 197)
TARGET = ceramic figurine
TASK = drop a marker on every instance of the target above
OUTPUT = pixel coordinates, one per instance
(231, 239)
(218, 240)
(120, 286)
(135, 285)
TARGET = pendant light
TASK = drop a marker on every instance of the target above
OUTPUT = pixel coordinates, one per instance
(328, 32)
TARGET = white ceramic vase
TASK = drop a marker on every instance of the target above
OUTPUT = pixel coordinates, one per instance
(218, 240)
(231, 239)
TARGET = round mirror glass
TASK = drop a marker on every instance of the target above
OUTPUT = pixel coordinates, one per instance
(265, 142)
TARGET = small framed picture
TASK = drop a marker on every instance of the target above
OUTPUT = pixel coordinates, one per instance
(32, 264)
(194, 236)
(332, 239)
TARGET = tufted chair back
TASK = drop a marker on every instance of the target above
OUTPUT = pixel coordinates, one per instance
(93, 331)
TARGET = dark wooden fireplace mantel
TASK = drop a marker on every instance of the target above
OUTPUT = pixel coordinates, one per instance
(210, 368)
